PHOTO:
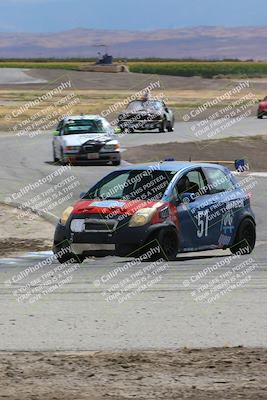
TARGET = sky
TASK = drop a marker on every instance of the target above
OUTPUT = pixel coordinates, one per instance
(61, 15)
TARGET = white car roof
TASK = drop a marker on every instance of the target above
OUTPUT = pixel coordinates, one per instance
(79, 117)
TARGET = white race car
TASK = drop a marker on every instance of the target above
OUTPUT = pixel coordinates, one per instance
(85, 138)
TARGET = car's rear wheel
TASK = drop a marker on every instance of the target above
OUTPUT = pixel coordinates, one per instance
(245, 238)
(63, 255)
(259, 116)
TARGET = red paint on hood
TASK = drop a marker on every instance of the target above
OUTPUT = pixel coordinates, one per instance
(128, 207)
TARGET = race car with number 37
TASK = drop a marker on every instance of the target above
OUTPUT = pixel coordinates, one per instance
(171, 206)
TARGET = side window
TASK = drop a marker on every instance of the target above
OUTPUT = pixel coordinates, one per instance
(219, 181)
(196, 178)
(192, 182)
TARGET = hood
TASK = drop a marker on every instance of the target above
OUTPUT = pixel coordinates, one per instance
(79, 140)
(114, 207)
(152, 112)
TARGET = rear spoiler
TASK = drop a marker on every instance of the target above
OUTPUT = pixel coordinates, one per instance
(241, 165)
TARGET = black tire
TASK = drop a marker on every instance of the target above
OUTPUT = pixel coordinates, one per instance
(163, 126)
(67, 257)
(170, 127)
(128, 131)
(54, 155)
(117, 162)
(245, 238)
(62, 161)
(124, 250)
(259, 116)
(167, 241)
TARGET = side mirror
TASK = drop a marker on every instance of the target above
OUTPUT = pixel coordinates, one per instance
(56, 133)
(241, 165)
(186, 198)
(117, 130)
(82, 195)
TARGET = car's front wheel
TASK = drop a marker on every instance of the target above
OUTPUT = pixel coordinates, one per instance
(116, 162)
(164, 244)
(62, 159)
(259, 116)
(127, 131)
(163, 126)
(245, 238)
(54, 155)
(64, 255)
(170, 127)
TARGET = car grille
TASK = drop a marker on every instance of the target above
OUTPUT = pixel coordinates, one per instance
(92, 148)
(100, 225)
(142, 117)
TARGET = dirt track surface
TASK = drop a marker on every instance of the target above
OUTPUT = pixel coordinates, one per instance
(226, 373)
(252, 149)
(23, 232)
(125, 81)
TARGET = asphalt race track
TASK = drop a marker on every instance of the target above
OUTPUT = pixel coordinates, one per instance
(171, 312)
(79, 316)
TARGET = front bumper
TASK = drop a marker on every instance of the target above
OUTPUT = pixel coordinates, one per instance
(92, 157)
(86, 243)
(262, 112)
(140, 124)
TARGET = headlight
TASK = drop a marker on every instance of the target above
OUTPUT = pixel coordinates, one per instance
(65, 215)
(111, 147)
(142, 217)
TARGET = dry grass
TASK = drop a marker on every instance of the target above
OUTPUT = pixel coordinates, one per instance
(92, 102)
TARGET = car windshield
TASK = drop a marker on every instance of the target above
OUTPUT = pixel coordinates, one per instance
(132, 185)
(140, 105)
(85, 126)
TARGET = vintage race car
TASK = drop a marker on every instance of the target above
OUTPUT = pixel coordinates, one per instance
(146, 114)
(85, 138)
(173, 206)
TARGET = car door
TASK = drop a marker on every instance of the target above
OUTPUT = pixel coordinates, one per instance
(228, 199)
(199, 228)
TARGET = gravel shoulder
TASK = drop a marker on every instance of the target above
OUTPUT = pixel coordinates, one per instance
(216, 373)
(22, 233)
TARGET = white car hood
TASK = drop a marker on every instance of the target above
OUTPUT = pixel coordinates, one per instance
(79, 140)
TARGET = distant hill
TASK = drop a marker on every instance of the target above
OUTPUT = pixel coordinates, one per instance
(196, 42)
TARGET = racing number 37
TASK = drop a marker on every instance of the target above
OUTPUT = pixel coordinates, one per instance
(203, 223)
